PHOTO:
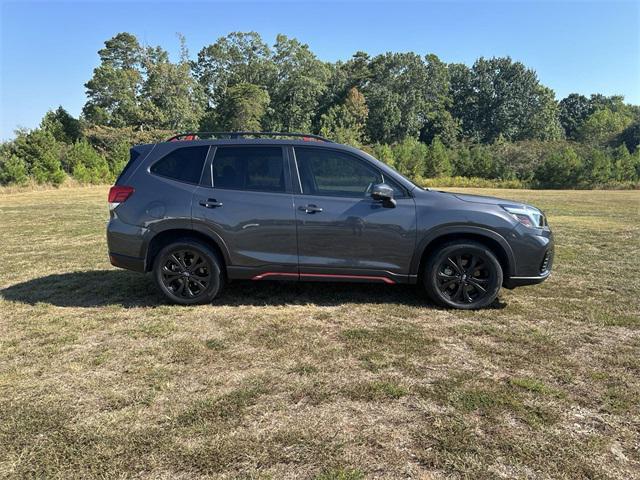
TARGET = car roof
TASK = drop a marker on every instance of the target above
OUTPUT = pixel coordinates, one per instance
(257, 141)
(254, 141)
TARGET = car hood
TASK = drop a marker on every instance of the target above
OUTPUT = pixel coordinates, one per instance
(486, 200)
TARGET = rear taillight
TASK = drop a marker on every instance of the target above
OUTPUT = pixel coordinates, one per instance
(118, 194)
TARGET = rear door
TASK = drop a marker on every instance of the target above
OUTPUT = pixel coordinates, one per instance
(164, 187)
(247, 202)
(342, 231)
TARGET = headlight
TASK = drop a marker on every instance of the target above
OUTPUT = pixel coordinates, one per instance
(528, 216)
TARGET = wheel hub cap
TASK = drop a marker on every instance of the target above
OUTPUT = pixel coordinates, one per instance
(186, 273)
(464, 277)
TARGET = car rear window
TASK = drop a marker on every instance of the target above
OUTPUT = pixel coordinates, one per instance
(183, 164)
(249, 168)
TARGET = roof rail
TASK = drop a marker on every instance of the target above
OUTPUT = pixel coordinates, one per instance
(231, 135)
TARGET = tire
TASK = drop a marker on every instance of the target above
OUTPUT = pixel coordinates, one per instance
(464, 275)
(188, 272)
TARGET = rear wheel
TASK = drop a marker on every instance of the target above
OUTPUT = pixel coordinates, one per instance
(465, 275)
(188, 272)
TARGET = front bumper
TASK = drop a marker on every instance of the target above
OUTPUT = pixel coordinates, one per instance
(513, 282)
(533, 251)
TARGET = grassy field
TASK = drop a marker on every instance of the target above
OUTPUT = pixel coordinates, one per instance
(99, 378)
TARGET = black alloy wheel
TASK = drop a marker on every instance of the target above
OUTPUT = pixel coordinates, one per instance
(188, 272)
(465, 275)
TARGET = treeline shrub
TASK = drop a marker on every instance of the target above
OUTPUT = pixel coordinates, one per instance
(559, 169)
(13, 170)
(41, 154)
(86, 164)
(557, 164)
(102, 152)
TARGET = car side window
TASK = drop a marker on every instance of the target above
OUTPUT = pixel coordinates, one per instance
(333, 173)
(249, 168)
(183, 164)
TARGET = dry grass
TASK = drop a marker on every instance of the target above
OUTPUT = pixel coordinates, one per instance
(99, 378)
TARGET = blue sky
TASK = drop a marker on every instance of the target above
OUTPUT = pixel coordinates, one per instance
(49, 49)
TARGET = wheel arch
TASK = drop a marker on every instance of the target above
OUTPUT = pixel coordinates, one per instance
(492, 240)
(165, 237)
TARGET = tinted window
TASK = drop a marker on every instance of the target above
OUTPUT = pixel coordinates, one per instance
(133, 156)
(183, 164)
(249, 168)
(328, 172)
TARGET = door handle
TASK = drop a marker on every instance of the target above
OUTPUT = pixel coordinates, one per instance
(211, 203)
(311, 209)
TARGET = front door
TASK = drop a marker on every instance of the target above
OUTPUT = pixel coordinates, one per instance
(249, 206)
(342, 231)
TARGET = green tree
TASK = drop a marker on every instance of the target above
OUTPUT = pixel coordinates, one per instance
(87, 165)
(384, 114)
(635, 158)
(243, 108)
(345, 123)
(597, 168)
(603, 125)
(384, 153)
(437, 160)
(397, 93)
(499, 97)
(410, 157)
(481, 162)
(463, 108)
(615, 103)
(61, 125)
(117, 157)
(461, 161)
(13, 170)
(438, 121)
(40, 152)
(624, 168)
(560, 169)
(342, 77)
(631, 136)
(237, 58)
(114, 89)
(297, 86)
(172, 98)
(572, 112)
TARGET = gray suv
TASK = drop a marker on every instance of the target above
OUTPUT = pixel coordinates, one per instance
(200, 210)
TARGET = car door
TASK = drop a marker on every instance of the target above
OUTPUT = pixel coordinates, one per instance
(342, 231)
(246, 202)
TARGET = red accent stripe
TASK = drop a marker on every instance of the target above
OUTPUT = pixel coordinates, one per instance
(324, 275)
(274, 274)
(353, 277)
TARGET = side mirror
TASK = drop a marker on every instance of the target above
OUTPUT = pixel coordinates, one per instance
(383, 193)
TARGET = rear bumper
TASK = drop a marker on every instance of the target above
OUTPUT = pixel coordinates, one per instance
(126, 245)
(124, 261)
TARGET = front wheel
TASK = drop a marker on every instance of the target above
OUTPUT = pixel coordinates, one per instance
(464, 275)
(188, 272)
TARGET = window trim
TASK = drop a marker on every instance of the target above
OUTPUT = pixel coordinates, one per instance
(385, 178)
(204, 164)
(285, 169)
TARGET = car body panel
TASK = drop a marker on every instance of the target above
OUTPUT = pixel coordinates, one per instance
(265, 235)
(257, 227)
(355, 233)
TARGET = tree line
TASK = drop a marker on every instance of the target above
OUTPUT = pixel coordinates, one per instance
(439, 123)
